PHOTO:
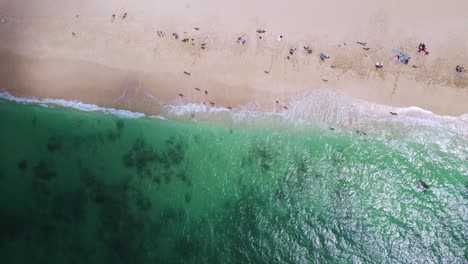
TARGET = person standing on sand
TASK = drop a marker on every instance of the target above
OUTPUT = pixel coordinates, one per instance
(459, 71)
(323, 56)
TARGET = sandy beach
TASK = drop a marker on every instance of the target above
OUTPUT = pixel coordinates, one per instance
(81, 51)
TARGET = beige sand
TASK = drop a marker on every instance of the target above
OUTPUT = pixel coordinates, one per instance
(125, 58)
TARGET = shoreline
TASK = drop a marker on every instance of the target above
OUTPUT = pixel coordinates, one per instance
(344, 113)
(77, 52)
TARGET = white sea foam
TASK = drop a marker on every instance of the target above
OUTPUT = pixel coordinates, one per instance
(329, 108)
(72, 104)
(320, 106)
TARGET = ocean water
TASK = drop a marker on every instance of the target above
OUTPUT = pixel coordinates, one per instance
(95, 187)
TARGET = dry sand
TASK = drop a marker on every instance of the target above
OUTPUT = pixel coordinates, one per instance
(123, 63)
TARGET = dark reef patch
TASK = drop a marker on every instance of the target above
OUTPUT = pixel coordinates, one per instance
(69, 207)
(54, 144)
(187, 197)
(44, 171)
(140, 156)
(23, 165)
(142, 202)
(12, 226)
(174, 215)
(185, 247)
(113, 136)
(176, 150)
(182, 175)
(120, 124)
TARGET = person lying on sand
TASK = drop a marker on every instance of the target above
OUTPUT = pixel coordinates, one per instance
(113, 18)
(280, 37)
(379, 65)
(241, 40)
(404, 58)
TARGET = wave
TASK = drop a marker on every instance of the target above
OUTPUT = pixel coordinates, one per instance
(328, 108)
(322, 107)
(73, 104)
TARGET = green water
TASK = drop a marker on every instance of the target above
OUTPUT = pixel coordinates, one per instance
(93, 188)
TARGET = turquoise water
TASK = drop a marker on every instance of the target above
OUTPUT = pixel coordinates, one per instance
(80, 187)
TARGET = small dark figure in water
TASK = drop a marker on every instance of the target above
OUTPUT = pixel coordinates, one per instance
(423, 186)
(331, 128)
(361, 133)
(280, 195)
(124, 16)
(212, 103)
(285, 107)
(393, 113)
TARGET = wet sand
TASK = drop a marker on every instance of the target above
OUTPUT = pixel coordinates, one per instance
(124, 63)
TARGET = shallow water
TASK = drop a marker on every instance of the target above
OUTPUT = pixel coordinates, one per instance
(90, 187)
